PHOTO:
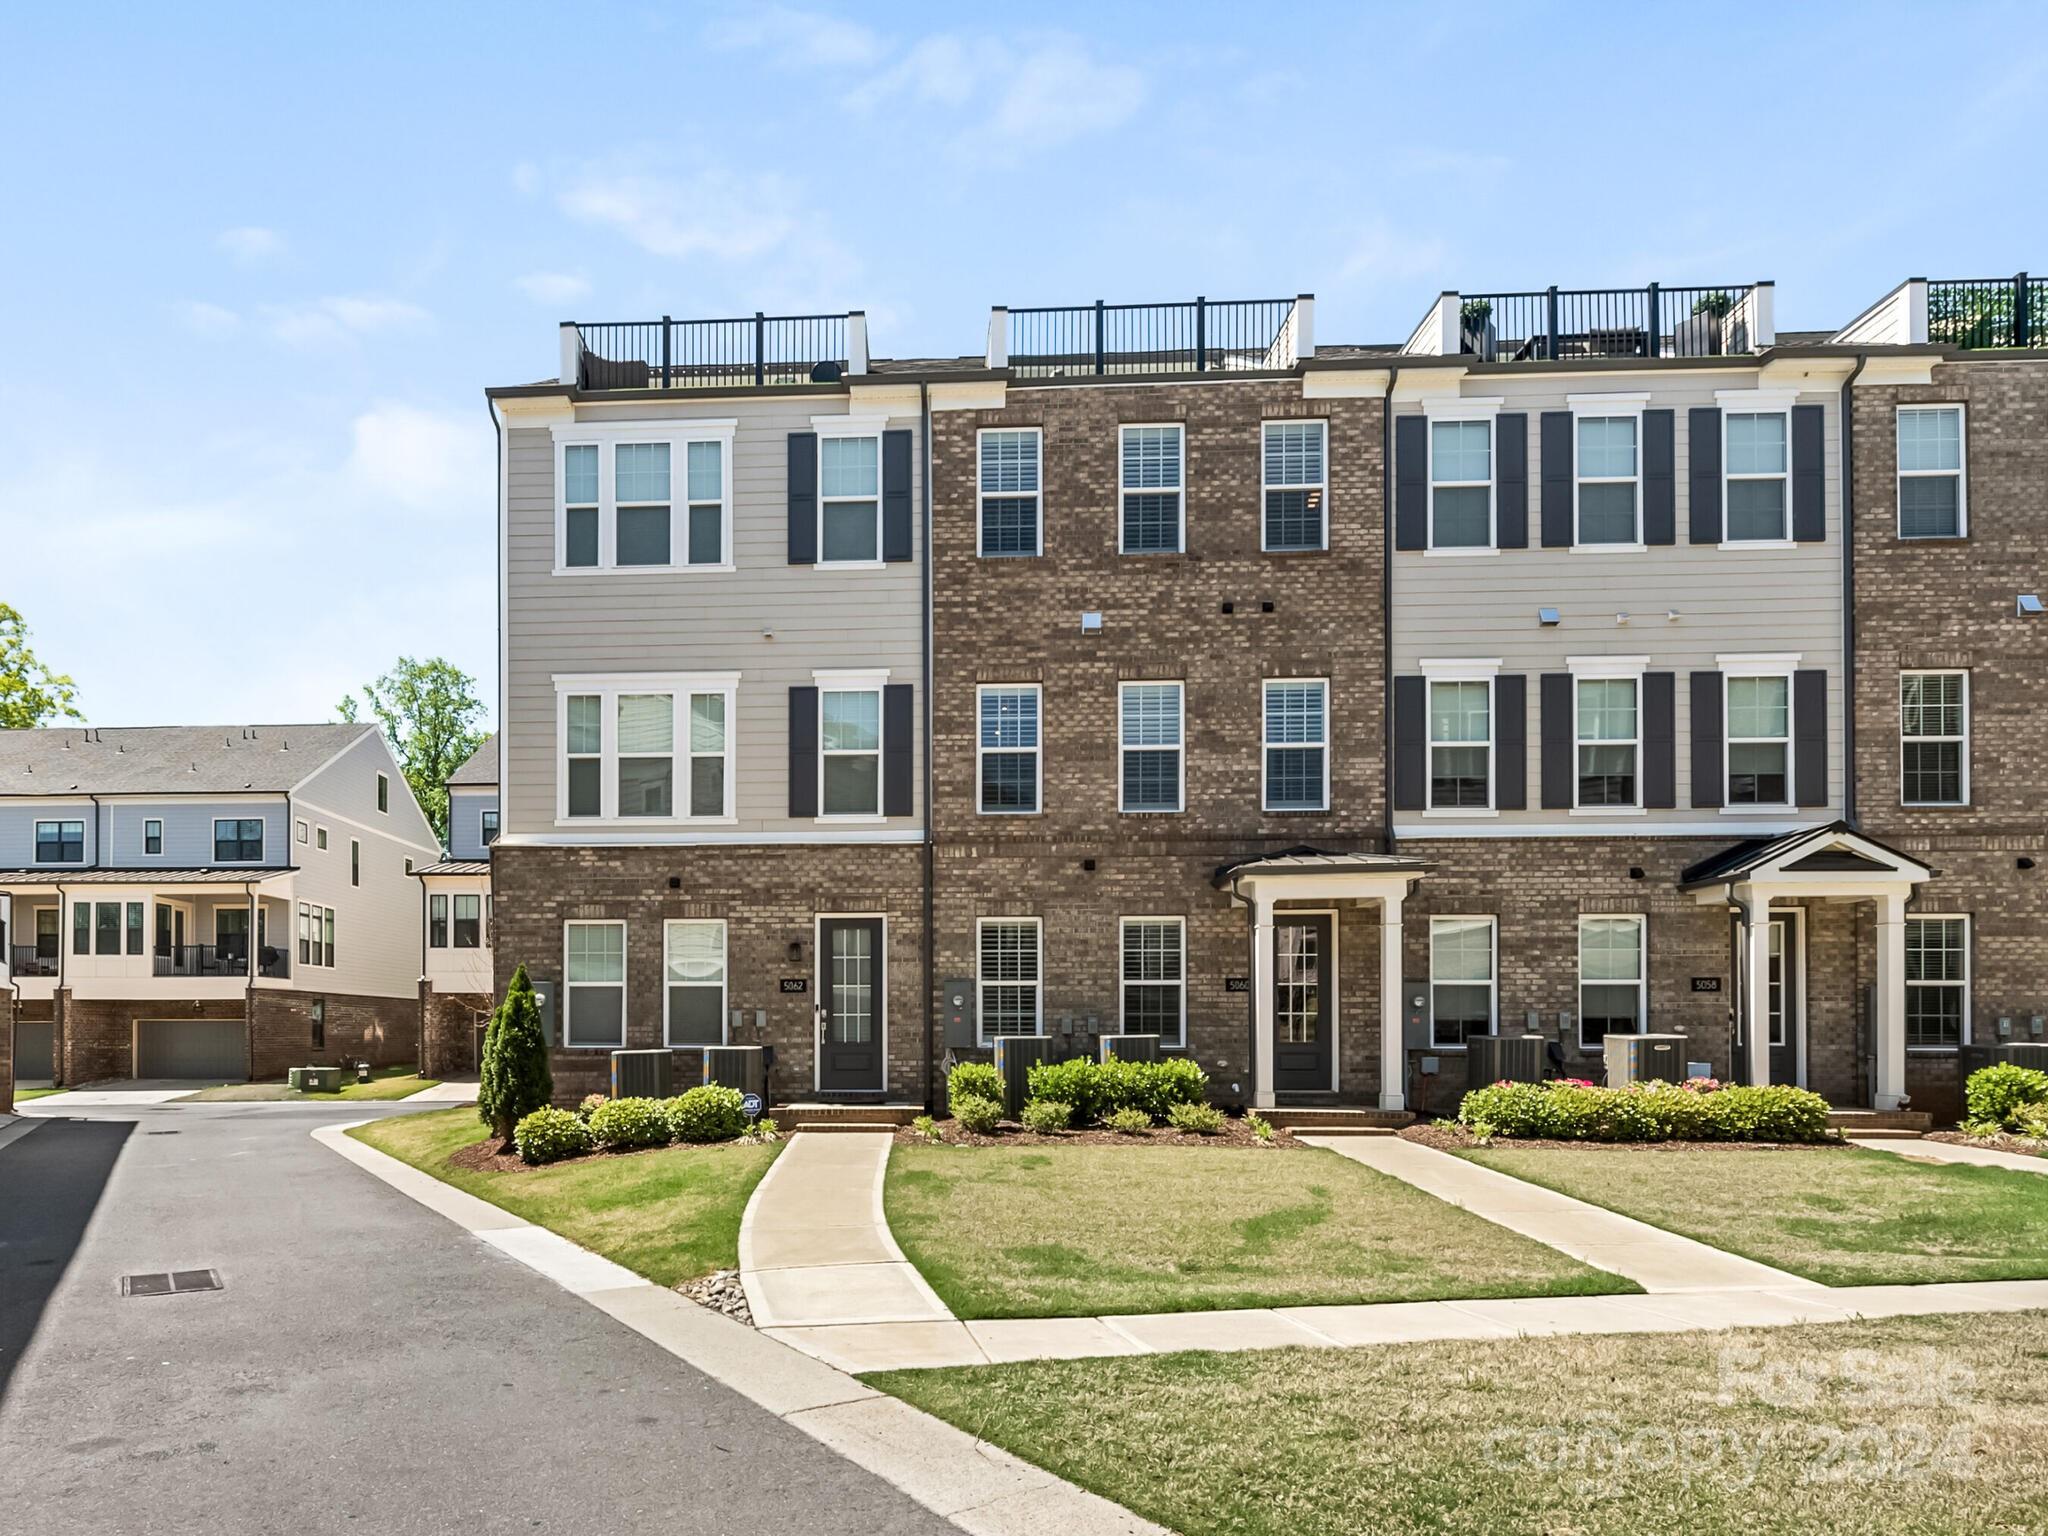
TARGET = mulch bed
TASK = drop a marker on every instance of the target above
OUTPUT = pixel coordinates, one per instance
(1235, 1133)
(2020, 1144)
(1449, 1138)
(484, 1157)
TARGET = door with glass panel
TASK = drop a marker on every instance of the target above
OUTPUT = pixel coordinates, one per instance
(1785, 1004)
(1304, 994)
(850, 1005)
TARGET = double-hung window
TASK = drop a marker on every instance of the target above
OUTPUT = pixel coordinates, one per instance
(487, 827)
(1151, 491)
(1933, 497)
(1611, 978)
(237, 840)
(1461, 980)
(1937, 982)
(850, 748)
(1460, 744)
(1759, 740)
(1154, 978)
(580, 505)
(704, 485)
(81, 928)
(1010, 515)
(636, 501)
(384, 793)
(849, 499)
(153, 837)
(693, 968)
(1149, 728)
(1934, 738)
(594, 984)
(645, 748)
(641, 478)
(1608, 478)
(469, 922)
(1297, 745)
(134, 927)
(1296, 471)
(1756, 465)
(437, 922)
(647, 755)
(1461, 484)
(107, 929)
(60, 842)
(1008, 749)
(1007, 973)
(1609, 741)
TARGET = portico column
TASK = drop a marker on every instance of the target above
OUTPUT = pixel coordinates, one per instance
(1756, 991)
(1262, 1001)
(1393, 1043)
(1891, 1003)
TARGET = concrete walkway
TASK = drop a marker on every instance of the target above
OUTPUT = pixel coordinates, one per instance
(1662, 1263)
(445, 1093)
(1955, 1152)
(116, 1095)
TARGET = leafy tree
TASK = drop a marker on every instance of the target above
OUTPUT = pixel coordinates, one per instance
(30, 693)
(515, 1080)
(430, 711)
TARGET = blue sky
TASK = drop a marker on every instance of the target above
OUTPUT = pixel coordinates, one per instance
(260, 262)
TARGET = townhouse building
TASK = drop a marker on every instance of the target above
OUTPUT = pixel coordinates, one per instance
(712, 654)
(216, 902)
(457, 984)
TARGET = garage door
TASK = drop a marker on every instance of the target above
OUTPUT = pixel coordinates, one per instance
(214, 1049)
(32, 1051)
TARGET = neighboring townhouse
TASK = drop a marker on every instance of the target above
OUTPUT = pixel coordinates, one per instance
(216, 902)
(712, 654)
(1159, 694)
(457, 986)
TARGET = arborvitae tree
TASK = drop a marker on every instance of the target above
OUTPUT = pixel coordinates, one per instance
(515, 1080)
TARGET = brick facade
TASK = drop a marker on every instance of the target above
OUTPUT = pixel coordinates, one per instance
(447, 1025)
(95, 1037)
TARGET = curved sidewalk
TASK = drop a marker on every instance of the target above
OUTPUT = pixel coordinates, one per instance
(1954, 1152)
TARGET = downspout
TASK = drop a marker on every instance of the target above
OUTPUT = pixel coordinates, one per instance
(1387, 610)
(60, 1026)
(255, 958)
(96, 862)
(924, 409)
(1849, 813)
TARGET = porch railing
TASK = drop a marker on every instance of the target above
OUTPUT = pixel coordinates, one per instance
(218, 960)
(1988, 312)
(1561, 324)
(748, 352)
(1200, 336)
(26, 960)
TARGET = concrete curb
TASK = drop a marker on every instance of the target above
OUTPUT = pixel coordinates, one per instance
(980, 1488)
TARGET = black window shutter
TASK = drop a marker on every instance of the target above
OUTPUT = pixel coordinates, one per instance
(1809, 493)
(1703, 444)
(899, 735)
(1707, 787)
(1411, 482)
(1511, 742)
(1559, 748)
(803, 751)
(1810, 736)
(1557, 480)
(896, 497)
(1660, 478)
(803, 498)
(1411, 743)
(1660, 740)
(1511, 478)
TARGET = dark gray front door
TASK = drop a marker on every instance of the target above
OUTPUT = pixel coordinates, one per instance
(850, 1004)
(1304, 984)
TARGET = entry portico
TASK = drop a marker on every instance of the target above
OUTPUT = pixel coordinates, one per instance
(1304, 884)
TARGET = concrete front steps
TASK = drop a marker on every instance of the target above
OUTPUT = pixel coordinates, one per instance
(1901, 1123)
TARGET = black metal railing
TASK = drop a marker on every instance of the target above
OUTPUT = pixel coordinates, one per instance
(750, 352)
(218, 960)
(1561, 323)
(27, 960)
(1204, 336)
(1985, 312)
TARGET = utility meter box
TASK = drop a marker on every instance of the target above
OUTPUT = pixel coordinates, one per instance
(956, 997)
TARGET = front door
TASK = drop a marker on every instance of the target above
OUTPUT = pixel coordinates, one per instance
(850, 1004)
(1304, 989)
(1788, 996)
(46, 934)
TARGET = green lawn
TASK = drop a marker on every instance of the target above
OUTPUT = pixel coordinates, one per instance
(1842, 1216)
(385, 1083)
(671, 1215)
(1089, 1229)
(23, 1095)
(1914, 1427)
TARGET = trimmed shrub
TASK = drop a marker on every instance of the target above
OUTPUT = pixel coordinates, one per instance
(514, 1080)
(1097, 1090)
(1044, 1115)
(1199, 1119)
(589, 1105)
(619, 1125)
(549, 1135)
(978, 1079)
(1128, 1122)
(708, 1113)
(976, 1114)
(1995, 1094)
(1569, 1111)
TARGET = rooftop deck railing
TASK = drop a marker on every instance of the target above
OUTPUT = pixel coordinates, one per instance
(1199, 336)
(749, 352)
(1988, 312)
(1567, 324)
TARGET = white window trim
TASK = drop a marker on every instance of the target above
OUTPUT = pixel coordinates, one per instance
(1642, 983)
(147, 823)
(1492, 922)
(828, 427)
(439, 899)
(302, 832)
(1181, 491)
(263, 840)
(320, 838)
(1756, 402)
(1037, 751)
(1603, 406)
(982, 983)
(1963, 740)
(1966, 1030)
(1962, 473)
(1123, 982)
(1455, 670)
(607, 688)
(383, 794)
(568, 987)
(1267, 744)
(1607, 669)
(1180, 804)
(1485, 410)
(1322, 486)
(60, 822)
(667, 986)
(605, 437)
(981, 496)
(864, 680)
(1779, 664)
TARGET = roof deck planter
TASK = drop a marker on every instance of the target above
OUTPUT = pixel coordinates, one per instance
(1476, 333)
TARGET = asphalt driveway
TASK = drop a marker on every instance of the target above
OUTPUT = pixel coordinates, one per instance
(366, 1366)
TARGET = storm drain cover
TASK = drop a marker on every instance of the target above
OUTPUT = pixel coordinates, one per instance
(176, 1283)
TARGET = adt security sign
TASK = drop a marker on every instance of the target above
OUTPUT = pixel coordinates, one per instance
(750, 1105)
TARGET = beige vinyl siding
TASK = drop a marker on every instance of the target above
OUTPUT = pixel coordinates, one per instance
(1782, 599)
(714, 621)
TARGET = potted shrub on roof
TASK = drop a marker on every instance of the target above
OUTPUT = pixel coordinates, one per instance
(1475, 329)
(1703, 333)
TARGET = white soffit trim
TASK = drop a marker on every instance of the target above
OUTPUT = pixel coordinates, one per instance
(1344, 383)
(976, 395)
(1428, 384)
(1910, 369)
(890, 399)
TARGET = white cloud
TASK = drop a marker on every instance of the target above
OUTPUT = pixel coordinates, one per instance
(808, 38)
(708, 212)
(204, 319)
(339, 316)
(423, 459)
(250, 244)
(1041, 92)
(552, 287)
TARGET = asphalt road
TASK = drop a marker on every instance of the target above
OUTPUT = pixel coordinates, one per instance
(367, 1365)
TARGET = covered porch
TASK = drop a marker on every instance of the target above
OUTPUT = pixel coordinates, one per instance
(93, 930)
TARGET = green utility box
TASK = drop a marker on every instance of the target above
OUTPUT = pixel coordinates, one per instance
(315, 1079)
